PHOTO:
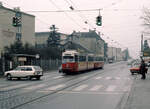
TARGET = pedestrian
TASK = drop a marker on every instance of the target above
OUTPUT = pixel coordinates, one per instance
(143, 69)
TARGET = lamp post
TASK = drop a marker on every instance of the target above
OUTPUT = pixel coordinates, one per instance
(142, 45)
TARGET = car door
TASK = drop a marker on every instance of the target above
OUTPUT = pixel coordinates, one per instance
(22, 73)
(29, 71)
(16, 72)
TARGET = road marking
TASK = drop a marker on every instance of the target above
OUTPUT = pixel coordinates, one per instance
(108, 78)
(34, 87)
(84, 77)
(127, 88)
(94, 93)
(46, 76)
(14, 87)
(80, 87)
(96, 88)
(57, 77)
(111, 88)
(117, 78)
(56, 87)
(98, 77)
(1, 85)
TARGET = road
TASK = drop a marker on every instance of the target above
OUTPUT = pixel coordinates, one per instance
(106, 88)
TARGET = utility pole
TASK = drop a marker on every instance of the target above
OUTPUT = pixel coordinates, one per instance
(142, 51)
(116, 54)
(17, 22)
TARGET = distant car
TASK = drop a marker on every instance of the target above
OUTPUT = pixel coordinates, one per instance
(136, 68)
(25, 72)
(148, 64)
(110, 61)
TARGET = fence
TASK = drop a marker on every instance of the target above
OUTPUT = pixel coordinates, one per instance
(51, 64)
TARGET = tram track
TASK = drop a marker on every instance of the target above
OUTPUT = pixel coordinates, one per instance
(74, 80)
(31, 96)
(31, 82)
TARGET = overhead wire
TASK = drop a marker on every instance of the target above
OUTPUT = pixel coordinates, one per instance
(66, 14)
(83, 17)
(68, 11)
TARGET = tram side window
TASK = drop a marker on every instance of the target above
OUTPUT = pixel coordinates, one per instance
(82, 58)
(76, 58)
(99, 59)
(90, 58)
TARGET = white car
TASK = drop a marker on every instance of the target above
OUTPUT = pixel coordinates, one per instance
(25, 72)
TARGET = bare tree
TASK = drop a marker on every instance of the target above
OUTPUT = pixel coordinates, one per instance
(146, 17)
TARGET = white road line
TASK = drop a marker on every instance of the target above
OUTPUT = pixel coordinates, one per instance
(1, 85)
(93, 93)
(56, 87)
(46, 76)
(96, 88)
(84, 77)
(111, 88)
(35, 87)
(98, 77)
(108, 78)
(80, 87)
(14, 87)
(118, 78)
(57, 77)
(127, 88)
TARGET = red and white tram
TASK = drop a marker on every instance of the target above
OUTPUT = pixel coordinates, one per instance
(73, 61)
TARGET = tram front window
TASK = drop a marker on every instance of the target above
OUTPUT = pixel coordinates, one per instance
(68, 59)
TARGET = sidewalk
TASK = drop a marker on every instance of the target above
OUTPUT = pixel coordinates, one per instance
(139, 98)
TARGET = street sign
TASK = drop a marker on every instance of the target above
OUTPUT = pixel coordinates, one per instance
(18, 14)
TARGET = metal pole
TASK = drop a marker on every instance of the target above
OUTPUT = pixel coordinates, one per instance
(142, 45)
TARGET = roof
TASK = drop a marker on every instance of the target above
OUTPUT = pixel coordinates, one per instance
(27, 55)
(45, 33)
(75, 46)
(90, 34)
(8, 9)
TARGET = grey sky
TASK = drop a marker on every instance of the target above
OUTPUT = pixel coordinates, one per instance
(121, 18)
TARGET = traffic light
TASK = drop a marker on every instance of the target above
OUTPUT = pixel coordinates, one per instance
(99, 20)
(14, 21)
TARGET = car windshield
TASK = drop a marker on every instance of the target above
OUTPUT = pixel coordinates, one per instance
(37, 68)
(68, 59)
(136, 64)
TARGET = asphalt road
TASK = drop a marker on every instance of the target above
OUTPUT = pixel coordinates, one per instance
(107, 88)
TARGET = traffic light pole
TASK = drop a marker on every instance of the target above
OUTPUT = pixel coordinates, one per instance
(17, 23)
(142, 46)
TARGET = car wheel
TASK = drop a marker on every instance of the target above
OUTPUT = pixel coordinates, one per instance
(29, 77)
(38, 78)
(18, 78)
(9, 77)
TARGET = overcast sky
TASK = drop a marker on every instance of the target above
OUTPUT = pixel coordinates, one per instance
(121, 18)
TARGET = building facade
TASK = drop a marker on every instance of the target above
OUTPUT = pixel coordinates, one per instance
(9, 33)
(115, 54)
(89, 40)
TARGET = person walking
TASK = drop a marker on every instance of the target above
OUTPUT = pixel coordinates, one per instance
(143, 69)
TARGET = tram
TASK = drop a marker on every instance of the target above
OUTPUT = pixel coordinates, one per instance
(73, 61)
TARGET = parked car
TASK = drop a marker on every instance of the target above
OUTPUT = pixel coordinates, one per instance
(25, 72)
(135, 68)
